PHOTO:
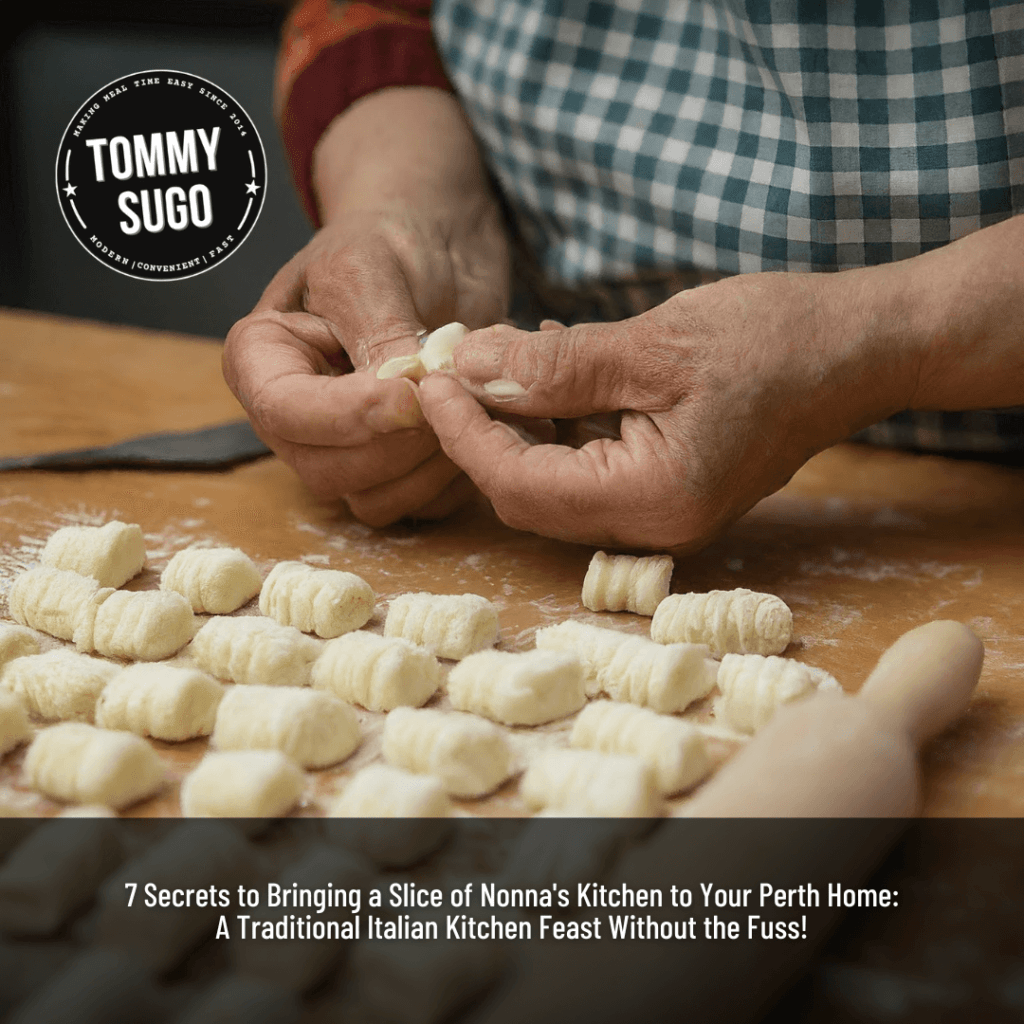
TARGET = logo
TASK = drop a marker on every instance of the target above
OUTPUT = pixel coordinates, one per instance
(161, 175)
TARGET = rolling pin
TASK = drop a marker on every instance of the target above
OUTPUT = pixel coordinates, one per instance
(835, 755)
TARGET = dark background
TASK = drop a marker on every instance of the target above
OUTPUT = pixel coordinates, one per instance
(53, 56)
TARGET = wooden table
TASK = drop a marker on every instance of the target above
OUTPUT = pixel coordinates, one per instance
(863, 544)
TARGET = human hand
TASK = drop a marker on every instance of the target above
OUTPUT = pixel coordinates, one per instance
(396, 258)
(725, 391)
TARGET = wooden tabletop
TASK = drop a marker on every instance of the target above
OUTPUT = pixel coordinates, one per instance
(863, 544)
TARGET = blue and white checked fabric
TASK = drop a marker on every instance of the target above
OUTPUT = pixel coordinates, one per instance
(640, 140)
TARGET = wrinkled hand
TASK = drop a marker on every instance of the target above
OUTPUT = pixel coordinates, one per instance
(725, 391)
(359, 293)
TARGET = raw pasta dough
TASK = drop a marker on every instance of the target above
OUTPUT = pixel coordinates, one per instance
(50, 600)
(378, 673)
(215, 581)
(584, 781)
(82, 764)
(471, 757)
(436, 353)
(14, 727)
(16, 642)
(518, 689)
(728, 621)
(449, 625)
(619, 583)
(145, 626)
(384, 792)
(59, 684)
(675, 749)
(753, 687)
(164, 701)
(111, 554)
(314, 729)
(253, 649)
(242, 784)
(322, 601)
(667, 678)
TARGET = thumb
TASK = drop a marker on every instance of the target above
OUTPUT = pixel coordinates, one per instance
(565, 373)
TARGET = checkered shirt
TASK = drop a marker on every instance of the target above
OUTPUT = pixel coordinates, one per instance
(645, 142)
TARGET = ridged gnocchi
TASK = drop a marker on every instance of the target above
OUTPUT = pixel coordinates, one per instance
(753, 687)
(50, 600)
(250, 649)
(242, 784)
(111, 554)
(214, 581)
(327, 602)
(59, 685)
(449, 625)
(146, 625)
(619, 583)
(381, 791)
(586, 782)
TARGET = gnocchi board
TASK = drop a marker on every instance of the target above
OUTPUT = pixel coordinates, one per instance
(862, 544)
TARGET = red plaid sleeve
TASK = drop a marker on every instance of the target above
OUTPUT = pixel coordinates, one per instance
(332, 54)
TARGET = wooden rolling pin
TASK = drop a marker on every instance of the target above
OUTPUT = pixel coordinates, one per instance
(836, 755)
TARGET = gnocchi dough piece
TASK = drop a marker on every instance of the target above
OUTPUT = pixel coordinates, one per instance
(753, 687)
(584, 781)
(242, 784)
(518, 689)
(376, 672)
(322, 601)
(449, 625)
(214, 581)
(402, 366)
(16, 642)
(164, 701)
(471, 757)
(617, 583)
(146, 625)
(381, 791)
(297, 964)
(50, 600)
(252, 649)
(14, 727)
(437, 349)
(59, 684)
(674, 748)
(79, 763)
(197, 855)
(667, 678)
(728, 621)
(111, 554)
(53, 872)
(313, 728)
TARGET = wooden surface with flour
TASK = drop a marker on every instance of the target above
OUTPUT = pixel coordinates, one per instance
(863, 544)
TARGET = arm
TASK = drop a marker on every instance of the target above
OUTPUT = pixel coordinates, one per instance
(728, 389)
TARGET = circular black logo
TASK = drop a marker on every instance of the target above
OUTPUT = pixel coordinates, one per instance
(161, 175)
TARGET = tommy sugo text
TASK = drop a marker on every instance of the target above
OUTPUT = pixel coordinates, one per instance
(161, 154)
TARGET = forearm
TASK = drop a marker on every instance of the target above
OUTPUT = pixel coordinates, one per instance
(956, 312)
(399, 146)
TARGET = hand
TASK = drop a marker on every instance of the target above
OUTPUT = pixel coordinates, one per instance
(395, 258)
(725, 391)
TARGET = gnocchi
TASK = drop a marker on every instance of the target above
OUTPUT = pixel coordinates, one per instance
(449, 625)
(667, 678)
(16, 642)
(111, 554)
(381, 791)
(378, 673)
(436, 353)
(728, 621)
(322, 601)
(469, 756)
(163, 701)
(50, 600)
(242, 784)
(586, 782)
(250, 649)
(314, 729)
(140, 626)
(214, 581)
(753, 687)
(79, 763)
(59, 684)
(619, 583)
(518, 689)
(674, 748)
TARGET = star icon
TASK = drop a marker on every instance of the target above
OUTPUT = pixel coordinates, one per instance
(251, 188)
(69, 190)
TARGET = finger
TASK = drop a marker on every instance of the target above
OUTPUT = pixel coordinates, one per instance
(576, 371)
(335, 473)
(606, 492)
(461, 491)
(275, 366)
(406, 495)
